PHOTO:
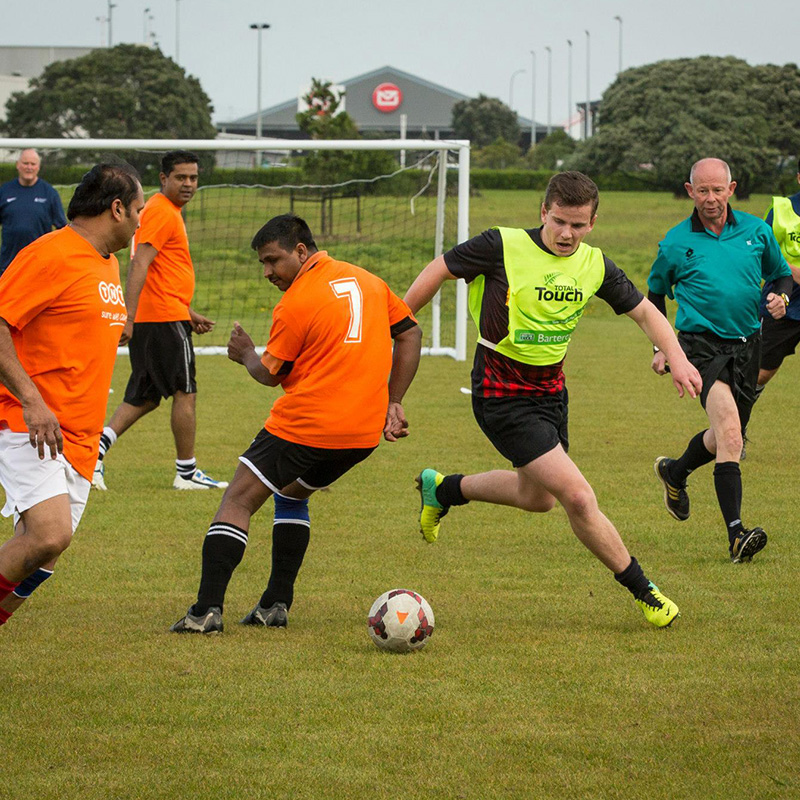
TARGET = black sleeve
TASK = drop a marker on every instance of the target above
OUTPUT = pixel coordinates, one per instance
(618, 290)
(400, 327)
(476, 256)
(659, 301)
(783, 285)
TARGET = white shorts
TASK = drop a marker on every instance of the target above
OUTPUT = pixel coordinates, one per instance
(29, 480)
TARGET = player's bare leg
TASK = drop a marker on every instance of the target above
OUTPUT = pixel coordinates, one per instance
(183, 419)
(557, 474)
(126, 415)
(508, 488)
(46, 534)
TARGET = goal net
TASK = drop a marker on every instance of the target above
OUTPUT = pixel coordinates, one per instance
(387, 206)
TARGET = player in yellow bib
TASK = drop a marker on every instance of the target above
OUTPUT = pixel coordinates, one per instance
(528, 290)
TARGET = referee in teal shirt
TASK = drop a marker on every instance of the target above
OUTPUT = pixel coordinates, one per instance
(713, 265)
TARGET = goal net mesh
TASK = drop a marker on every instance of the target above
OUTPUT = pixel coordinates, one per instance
(386, 224)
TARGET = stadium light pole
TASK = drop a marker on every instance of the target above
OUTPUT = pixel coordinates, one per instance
(533, 98)
(618, 18)
(568, 126)
(511, 87)
(588, 91)
(260, 27)
(549, 89)
(111, 6)
(177, 30)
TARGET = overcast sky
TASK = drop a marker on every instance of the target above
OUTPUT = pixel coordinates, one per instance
(470, 46)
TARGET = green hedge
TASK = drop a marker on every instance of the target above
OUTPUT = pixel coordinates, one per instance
(537, 180)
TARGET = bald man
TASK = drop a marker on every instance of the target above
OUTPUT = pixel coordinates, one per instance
(29, 208)
(713, 264)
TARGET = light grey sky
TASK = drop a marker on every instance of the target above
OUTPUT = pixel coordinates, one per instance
(470, 46)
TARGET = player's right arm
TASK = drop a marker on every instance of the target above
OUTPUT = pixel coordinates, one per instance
(242, 350)
(137, 275)
(43, 427)
(427, 283)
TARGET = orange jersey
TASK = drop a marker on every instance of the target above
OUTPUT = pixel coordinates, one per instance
(169, 286)
(334, 325)
(65, 308)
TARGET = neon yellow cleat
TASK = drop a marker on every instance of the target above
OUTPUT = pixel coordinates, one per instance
(658, 610)
(431, 511)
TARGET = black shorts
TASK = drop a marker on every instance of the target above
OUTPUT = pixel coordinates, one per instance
(779, 339)
(277, 463)
(732, 361)
(162, 362)
(524, 428)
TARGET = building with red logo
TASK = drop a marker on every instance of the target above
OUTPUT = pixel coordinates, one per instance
(377, 101)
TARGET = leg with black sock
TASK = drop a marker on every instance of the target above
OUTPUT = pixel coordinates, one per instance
(223, 549)
(291, 533)
(728, 485)
(696, 455)
(657, 609)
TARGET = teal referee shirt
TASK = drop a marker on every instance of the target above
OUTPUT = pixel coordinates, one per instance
(716, 280)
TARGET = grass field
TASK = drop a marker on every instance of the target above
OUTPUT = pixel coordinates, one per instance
(542, 679)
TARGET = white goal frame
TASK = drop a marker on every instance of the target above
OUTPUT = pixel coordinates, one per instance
(460, 146)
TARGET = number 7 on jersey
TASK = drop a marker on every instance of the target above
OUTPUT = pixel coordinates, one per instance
(349, 288)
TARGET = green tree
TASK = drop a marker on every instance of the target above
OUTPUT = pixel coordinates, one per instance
(124, 92)
(669, 114)
(551, 152)
(500, 154)
(483, 120)
(323, 120)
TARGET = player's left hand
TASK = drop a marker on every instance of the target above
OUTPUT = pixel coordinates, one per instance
(776, 306)
(685, 377)
(199, 323)
(396, 426)
(240, 344)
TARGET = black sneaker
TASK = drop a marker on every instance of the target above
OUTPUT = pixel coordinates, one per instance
(675, 498)
(276, 616)
(210, 622)
(747, 544)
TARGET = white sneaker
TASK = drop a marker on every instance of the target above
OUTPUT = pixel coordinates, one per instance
(98, 477)
(198, 481)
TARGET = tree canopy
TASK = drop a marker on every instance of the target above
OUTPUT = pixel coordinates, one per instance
(483, 120)
(669, 114)
(124, 92)
(323, 120)
(551, 152)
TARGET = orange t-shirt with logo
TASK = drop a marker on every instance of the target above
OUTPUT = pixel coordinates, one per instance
(334, 323)
(65, 308)
(169, 286)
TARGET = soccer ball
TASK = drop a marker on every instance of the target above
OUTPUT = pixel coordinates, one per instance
(400, 620)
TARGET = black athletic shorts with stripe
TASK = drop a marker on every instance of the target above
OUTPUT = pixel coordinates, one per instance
(522, 428)
(732, 361)
(277, 462)
(162, 362)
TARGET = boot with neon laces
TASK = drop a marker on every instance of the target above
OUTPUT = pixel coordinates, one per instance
(658, 609)
(197, 480)
(210, 622)
(98, 477)
(431, 510)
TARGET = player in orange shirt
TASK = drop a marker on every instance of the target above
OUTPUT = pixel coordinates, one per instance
(331, 336)
(61, 316)
(160, 324)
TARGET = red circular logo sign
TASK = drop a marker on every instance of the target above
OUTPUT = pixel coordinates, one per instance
(387, 97)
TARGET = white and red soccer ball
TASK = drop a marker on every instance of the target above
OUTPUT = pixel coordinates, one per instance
(400, 620)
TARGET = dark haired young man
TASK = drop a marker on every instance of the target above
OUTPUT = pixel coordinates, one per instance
(61, 315)
(160, 323)
(528, 289)
(339, 338)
